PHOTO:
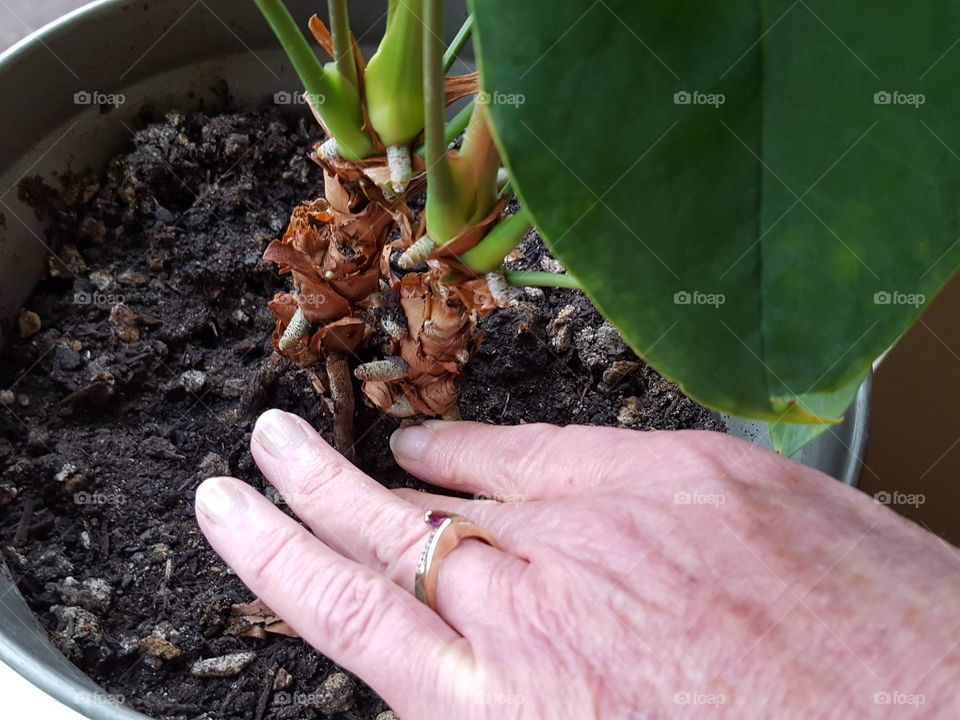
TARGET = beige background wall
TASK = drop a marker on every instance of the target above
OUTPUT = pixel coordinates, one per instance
(915, 432)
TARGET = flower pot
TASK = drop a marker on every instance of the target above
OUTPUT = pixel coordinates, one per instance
(71, 92)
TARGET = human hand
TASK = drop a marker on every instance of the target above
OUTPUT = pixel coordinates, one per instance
(655, 574)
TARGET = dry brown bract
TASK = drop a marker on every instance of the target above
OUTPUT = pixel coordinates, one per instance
(334, 251)
(441, 337)
(255, 619)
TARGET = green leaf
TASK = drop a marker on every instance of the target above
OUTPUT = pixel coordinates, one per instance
(788, 438)
(726, 183)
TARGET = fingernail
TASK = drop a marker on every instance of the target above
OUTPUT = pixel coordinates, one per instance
(221, 500)
(412, 441)
(279, 433)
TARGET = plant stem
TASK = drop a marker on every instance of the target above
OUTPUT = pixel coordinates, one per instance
(475, 167)
(459, 122)
(342, 40)
(536, 278)
(306, 64)
(461, 38)
(337, 102)
(453, 128)
(341, 393)
(488, 254)
(393, 79)
(442, 196)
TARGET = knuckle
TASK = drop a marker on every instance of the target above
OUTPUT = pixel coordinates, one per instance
(551, 615)
(349, 608)
(529, 445)
(271, 556)
(392, 543)
(319, 470)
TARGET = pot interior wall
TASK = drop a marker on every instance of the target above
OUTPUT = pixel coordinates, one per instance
(185, 55)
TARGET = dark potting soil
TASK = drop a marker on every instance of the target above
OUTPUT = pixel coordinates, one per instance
(144, 378)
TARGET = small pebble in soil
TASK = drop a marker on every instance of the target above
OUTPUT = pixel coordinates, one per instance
(597, 346)
(67, 262)
(159, 643)
(76, 628)
(273, 495)
(28, 323)
(66, 470)
(551, 265)
(193, 381)
(336, 694)
(224, 665)
(282, 680)
(388, 715)
(102, 280)
(75, 484)
(8, 493)
(618, 371)
(233, 387)
(124, 322)
(66, 358)
(631, 414)
(7, 398)
(132, 278)
(75, 622)
(51, 563)
(93, 594)
(560, 329)
(127, 646)
(212, 465)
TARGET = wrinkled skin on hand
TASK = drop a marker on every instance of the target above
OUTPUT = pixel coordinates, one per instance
(643, 575)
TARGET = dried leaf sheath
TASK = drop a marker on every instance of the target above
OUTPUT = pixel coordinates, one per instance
(441, 337)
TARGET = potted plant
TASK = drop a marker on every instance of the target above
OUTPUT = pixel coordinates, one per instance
(557, 163)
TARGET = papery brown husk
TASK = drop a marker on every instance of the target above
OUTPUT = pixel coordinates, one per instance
(345, 233)
(254, 619)
(434, 351)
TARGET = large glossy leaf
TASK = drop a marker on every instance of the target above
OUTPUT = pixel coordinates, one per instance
(760, 195)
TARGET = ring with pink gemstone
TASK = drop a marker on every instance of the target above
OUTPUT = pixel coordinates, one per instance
(448, 529)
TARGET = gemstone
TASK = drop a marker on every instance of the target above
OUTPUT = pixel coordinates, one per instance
(435, 518)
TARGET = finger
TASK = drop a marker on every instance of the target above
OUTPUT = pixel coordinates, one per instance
(523, 529)
(348, 510)
(512, 464)
(488, 513)
(367, 522)
(349, 613)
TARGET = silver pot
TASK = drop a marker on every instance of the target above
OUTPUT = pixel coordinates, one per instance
(57, 114)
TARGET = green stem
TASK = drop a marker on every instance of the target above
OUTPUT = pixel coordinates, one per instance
(459, 122)
(488, 254)
(453, 128)
(340, 105)
(442, 196)
(295, 45)
(342, 40)
(476, 166)
(393, 80)
(461, 38)
(536, 278)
